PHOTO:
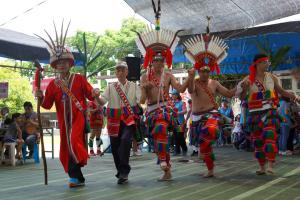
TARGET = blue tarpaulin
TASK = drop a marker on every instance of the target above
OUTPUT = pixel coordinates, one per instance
(242, 50)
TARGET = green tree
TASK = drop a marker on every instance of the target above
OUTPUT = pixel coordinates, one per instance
(276, 57)
(112, 44)
(19, 90)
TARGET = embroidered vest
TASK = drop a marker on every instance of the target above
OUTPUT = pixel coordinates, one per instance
(262, 96)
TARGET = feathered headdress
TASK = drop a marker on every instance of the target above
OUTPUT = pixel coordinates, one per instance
(57, 48)
(206, 51)
(157, 43)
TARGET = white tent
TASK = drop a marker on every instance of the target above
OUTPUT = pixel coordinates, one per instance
(226, 14)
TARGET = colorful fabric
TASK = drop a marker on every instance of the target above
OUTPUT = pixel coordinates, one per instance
(68, 92)
(130, 119)
(263, 127)
(159, 121)
(204, 132)
(180, 106)
(115, 116)
(285, 111)
(96, 117)
(262, 96)
(70, 118)
(258, 120)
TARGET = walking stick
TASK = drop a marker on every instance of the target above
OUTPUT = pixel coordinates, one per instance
(37, 83)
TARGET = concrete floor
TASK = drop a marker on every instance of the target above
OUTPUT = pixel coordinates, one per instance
(235, 179)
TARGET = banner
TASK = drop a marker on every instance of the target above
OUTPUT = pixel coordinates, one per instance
(3, 90)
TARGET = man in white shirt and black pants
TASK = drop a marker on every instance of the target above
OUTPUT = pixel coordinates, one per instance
(122, 111)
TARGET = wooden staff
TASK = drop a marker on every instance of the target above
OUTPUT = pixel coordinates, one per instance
(38, 77)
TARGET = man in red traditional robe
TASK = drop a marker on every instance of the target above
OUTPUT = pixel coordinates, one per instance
(69, 92)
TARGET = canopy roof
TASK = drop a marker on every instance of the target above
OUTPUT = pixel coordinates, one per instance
(226, 14)
(19, 46)
(287, 27)
(244, 44)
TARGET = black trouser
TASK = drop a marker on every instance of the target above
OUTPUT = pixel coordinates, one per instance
(290, 140)
(180, 143)
(75, 170)
(121, 146)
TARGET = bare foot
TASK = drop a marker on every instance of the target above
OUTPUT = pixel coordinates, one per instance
(209, 174)
(270, 171)
(164, 166)
(167, 176)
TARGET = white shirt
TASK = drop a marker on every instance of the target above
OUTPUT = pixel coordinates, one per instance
(130, 89)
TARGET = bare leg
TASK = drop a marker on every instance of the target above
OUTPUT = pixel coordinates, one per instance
(19, 149)
(134, 145)
(91, 142)
(98, 141)
(167, 176)
(270, 167)
(210, 174)
(262, 170)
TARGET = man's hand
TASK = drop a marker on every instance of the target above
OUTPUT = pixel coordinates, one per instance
(96, 92)
(245, 84)
(191, 73)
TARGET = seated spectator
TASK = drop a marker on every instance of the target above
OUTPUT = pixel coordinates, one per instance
(4, 113)
(5, 120)
(14, 134)
(30, 128)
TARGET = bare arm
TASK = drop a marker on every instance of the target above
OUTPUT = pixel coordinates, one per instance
(176, 85)
(105, 97)
(34, 122)
(100, 101)
(19, 132)
(191, 79)
(143, 97)
(224, 91)
(245, 86)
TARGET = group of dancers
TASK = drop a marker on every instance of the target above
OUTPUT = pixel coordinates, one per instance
(69, 92)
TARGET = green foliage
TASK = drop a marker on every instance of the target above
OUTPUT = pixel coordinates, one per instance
(19, 90)
(276, 58)
(228, 80)
(102, 51)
